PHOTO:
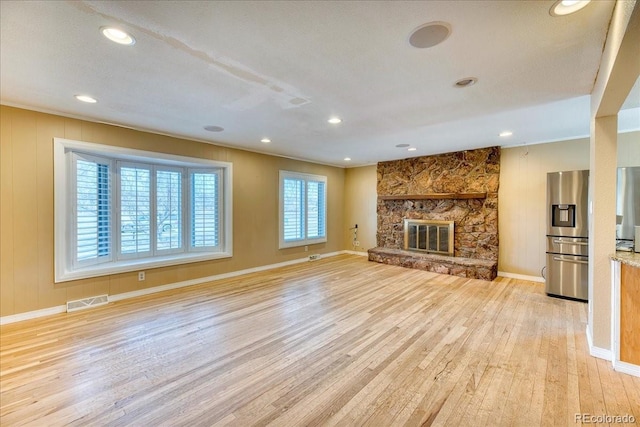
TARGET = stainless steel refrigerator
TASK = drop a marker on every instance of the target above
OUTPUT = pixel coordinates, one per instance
(627, 208)
(568, 234)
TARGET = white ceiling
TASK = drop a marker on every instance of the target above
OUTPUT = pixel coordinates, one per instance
(281, 69)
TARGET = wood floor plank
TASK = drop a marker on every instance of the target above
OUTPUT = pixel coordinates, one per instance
(633, 393)
(335, 342)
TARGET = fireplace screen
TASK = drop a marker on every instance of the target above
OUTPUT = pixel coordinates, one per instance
(429, 236)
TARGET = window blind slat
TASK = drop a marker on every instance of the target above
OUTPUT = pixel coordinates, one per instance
(135, 210)
(204, 210)
(168, 210)
(93, 211)
(293, 206)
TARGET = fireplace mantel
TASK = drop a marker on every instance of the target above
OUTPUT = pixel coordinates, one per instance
(435, 196)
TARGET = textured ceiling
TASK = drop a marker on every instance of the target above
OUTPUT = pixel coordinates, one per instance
(281, 69)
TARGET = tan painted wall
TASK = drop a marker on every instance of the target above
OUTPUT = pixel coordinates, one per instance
(628, 149)
(521, 211)
(618, 72)
(523, 180)
(26, 210)
(522, 208)
(360, 200)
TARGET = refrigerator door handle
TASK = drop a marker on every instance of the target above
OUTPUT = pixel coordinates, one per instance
(569, 242)
(575, 261)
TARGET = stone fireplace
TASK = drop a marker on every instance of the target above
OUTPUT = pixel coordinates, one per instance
(461, 188)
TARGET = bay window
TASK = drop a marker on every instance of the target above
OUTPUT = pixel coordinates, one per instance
(122, 210)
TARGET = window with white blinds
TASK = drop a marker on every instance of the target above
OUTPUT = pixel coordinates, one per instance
(123, 210)
(92, 225)
(135, 210)
(303, 209)
(169, 215)
(205, 210)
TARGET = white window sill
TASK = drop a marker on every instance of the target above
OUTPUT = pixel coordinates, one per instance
(125, 266)
(298, 243)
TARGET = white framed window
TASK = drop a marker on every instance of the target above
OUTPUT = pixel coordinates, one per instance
(119, 209)
(303, 209)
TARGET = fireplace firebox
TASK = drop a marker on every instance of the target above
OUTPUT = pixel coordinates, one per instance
(429, 236)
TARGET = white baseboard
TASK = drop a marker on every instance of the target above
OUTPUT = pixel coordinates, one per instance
(117, 297)
(521, 277)
(600, 353)
(200, 280)
(360, 253)
(627, 368)
(33, 314)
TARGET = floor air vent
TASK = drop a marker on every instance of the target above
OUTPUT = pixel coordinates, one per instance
(81, 304)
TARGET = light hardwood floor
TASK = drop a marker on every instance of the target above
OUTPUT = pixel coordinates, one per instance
(339, 341)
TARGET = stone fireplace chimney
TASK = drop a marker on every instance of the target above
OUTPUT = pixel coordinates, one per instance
(460, 187)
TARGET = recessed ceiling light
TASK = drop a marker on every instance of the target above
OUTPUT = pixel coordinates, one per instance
(412, 149)
(566, 7)
(466, 82)
(265, 140)
(212, 128)
(347, 159)
(86, 98)
(335, 120)
(429, 34)
(506, 133)
(402, 145)
(118, 36)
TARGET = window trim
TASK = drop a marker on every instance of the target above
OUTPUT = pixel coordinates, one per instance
(63, 243)
(282, 244)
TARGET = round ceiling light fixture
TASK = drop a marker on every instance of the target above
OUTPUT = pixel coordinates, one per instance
(265, 140)
(212, 128)
(118, 36)
(86, 98)
(347, 159)
(412, 149)
(566, 7)
(430, 34)
(505, 133)
(335, 120)
(466, 82)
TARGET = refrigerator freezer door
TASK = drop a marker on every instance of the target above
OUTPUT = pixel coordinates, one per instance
(567, 276)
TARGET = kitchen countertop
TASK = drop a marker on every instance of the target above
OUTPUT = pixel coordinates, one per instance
(630, 258)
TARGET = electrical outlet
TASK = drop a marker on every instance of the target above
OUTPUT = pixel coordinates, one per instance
(140, 276)
(357, 243)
